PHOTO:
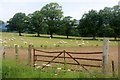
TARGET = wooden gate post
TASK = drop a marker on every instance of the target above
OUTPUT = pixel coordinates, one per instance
(3, 55)
(113, 69)
(33, 57)
(119, 57)
(16, 52)
(105, 55)
(29, 54)
(64, 59)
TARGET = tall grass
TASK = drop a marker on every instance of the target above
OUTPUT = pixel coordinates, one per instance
(13, 70)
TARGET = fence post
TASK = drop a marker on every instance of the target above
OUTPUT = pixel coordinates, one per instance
(3, 55)
(64, 59)
(33, 57)
(113, 69)
(105, 55)
(29, 54)
(16, 52)
(119, 57)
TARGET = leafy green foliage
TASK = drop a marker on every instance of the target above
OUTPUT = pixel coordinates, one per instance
(50, 20)
(68, 25)
(104, 18)
(89, 24)
(115, 20)
(36, 21)
(17, 22)
(105, 23)
(52, 16)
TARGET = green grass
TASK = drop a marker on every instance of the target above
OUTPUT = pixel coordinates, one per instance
(12, 70)
(45, 42)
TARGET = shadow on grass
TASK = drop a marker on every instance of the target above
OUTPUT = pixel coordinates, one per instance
(64, 37)
(73, 37)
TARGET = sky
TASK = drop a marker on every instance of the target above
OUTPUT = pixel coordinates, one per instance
(73, 8)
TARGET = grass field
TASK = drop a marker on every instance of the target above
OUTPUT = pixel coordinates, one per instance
(10, 39)
(11, 70)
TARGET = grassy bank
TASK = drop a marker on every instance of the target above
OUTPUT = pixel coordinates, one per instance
(12, 70)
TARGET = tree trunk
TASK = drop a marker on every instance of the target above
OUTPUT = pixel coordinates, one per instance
(115, 38)
(38, 34)
(51, 34)
(67, 36)
(94, 38)
(20, 33)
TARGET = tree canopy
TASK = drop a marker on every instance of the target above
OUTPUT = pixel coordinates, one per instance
(36, 21)
(67, 25)
(89, 24)
(52, 15)
(17, 22)
(115, 21)
(50, 20)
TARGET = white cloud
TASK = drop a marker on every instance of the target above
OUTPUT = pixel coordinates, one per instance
(74, 8)
(119, 3)
(81, 1)
(1, 12)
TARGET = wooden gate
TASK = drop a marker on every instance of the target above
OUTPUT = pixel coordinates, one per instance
(103, 60)
(35, 58)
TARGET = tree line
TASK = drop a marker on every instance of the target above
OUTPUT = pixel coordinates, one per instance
(50, 20)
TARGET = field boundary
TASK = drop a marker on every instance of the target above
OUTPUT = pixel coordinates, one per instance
(35, 59)
(104, 53)
(104, 59)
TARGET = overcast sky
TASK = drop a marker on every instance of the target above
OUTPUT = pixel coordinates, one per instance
(74, 8)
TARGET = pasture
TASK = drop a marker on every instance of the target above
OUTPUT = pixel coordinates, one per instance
(58, 43)
(10, 39)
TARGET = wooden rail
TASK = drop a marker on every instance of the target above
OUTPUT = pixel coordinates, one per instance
(47, 51)
(104, 60)
(104, 57)
(85, 52)
(70, 52)
(89, 65)
(70, 57)
(35, 58)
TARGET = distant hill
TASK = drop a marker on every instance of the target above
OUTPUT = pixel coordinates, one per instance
(2, 26)
(77, 21)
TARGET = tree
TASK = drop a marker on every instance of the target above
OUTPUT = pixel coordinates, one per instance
(17, 22)
(68, 25)
(10, 26)
(52, 15)
(36, 21)
(1, 23)
(104, 19)
(89, 24)
(115, 21)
